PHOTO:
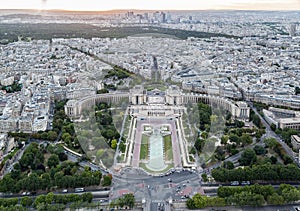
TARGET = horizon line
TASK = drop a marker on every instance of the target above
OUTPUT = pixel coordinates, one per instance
(228, 9)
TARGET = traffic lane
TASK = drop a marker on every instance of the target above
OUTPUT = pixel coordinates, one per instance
(175, 177)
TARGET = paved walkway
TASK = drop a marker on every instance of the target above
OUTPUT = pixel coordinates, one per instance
(137, 144)
(156, 122)
(175, 145)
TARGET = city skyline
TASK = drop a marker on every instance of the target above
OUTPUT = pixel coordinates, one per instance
(101, 5)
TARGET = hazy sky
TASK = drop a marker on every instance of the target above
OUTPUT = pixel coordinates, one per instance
(151, 4)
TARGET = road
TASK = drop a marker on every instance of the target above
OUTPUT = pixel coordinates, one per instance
(158, 190)
(16, 159)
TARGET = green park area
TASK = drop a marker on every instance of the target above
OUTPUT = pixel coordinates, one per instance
(144, 151)
(168, 148)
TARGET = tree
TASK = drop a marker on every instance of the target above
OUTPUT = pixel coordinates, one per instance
(224, 139)
(290, 195)
(129, 200)
(32, 182)
(66, 137)
(204, 177)
(248, 157)
(62, 156)
(273, 127)
(220, 153)
(273, 159)
(190, 204)
(106, 180)
(27, 160)
(7, 184)
(114, 144)
(41, 199)
(275, 199)
(239, 124)
(199, 201)
(234, 138)
(204, 135)
(45, 181)
(199, 144)
(53, 161)
(271, 142)
(102, 91)
(49, 198)
(256, 121)
(245, 198)
(87, 197)
(246, 139)
(52, 135)
(228, 165)
(26, 201)
(259, 150)
(44, 135)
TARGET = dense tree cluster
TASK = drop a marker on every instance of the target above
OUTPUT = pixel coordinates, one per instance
(127, 200)
(45, 201)
(62, 123)
(204, 115)
(106, 126)
(102, 91)
(257, 195)
(265, 172)
(253, 195)
(276, 147)
(248, 157)
(255, 119)
(235, 135)
(198, 202)
(37, 170)
(118, 73)
(286, 134)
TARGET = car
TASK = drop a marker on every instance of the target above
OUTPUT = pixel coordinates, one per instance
(65, 191)
(77, 190)
(245, 183)
(170, 180)
(235, 183)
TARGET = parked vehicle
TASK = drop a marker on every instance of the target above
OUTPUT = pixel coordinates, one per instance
(77, 190)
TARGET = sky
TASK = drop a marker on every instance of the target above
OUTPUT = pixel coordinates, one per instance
(100, 5)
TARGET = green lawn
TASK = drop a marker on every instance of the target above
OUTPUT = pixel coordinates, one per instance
(144, 147)
(143, 166)
(168, 148)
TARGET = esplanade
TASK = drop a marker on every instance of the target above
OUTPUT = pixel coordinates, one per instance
(172, 96)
